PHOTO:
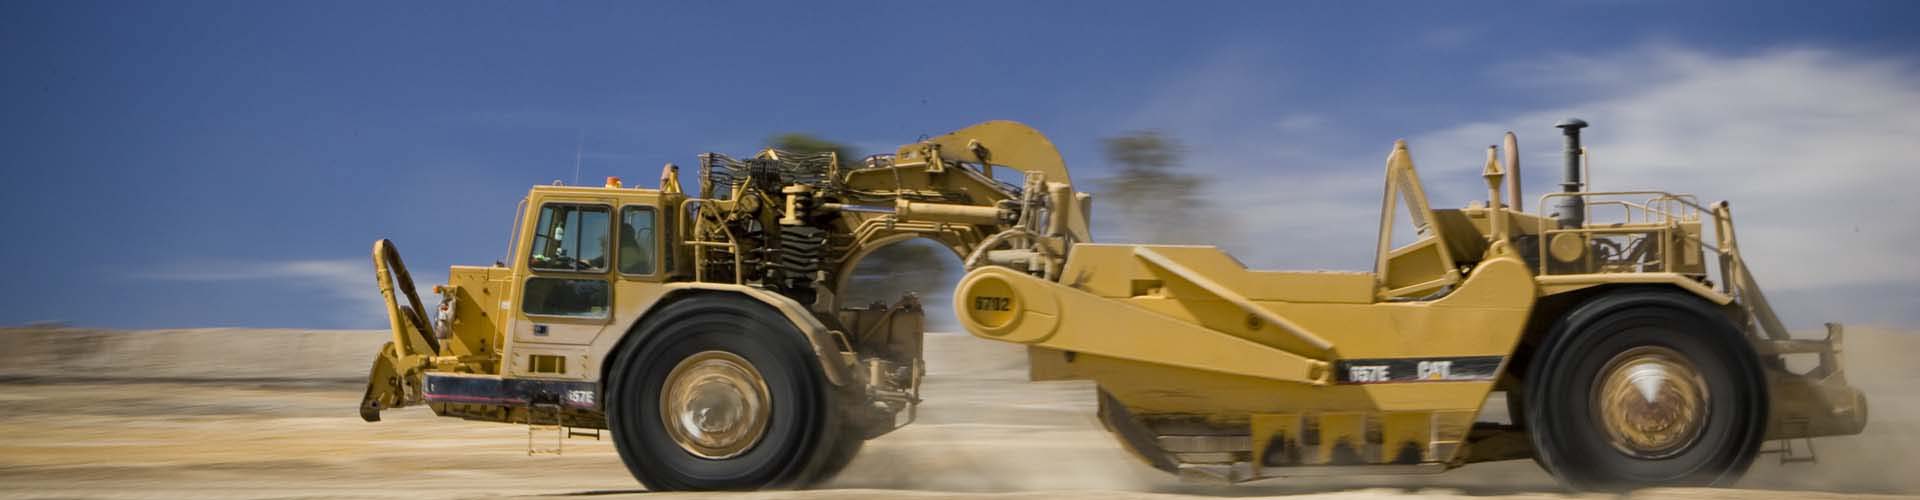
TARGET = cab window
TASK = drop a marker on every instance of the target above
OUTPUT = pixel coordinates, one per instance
(638, 247)
(570, 237)
(584, 298)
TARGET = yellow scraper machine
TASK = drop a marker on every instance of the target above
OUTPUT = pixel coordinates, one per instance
(709, 333)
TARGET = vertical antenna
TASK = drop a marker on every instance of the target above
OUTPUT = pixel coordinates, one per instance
(578, 144)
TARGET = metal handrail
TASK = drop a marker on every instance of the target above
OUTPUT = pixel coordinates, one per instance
(698, 231)
(1627, 206)
(1736, 280)
(1684, 200)
(1659, 214)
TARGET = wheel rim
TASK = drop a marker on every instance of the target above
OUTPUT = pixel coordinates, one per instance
(1651, 402)
(715, 405)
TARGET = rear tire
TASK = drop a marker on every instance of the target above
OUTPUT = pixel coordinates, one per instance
(706, 352)
(1645, 388)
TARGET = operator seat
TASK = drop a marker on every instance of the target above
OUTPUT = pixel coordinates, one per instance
(635, 257)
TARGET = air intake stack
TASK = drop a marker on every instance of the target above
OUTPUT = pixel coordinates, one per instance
(1571, 211)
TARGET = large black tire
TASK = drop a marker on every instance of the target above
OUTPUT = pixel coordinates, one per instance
(800, 422)
(1666, 329)
(1517, 416)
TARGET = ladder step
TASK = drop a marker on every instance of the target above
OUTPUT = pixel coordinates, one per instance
(577, 433)
(537, 425)
(1787, 454)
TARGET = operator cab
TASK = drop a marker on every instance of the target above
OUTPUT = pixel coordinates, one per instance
(586, 248)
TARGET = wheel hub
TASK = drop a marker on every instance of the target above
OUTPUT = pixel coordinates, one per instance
(715, 405)
(1651, 402)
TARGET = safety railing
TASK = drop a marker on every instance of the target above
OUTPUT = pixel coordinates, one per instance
(1662, 216)
(1643, 236)
(696, 209)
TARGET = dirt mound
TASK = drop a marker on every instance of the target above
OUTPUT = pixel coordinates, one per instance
(74, 354)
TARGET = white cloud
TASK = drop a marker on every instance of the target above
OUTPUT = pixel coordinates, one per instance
(1220, 86)
(347, 284)
(1813, 148)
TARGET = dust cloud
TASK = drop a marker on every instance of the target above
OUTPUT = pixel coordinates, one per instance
(271, 413)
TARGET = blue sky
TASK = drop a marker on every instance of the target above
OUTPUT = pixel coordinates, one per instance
(174, 164)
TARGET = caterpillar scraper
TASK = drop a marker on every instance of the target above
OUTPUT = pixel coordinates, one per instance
(708, 334)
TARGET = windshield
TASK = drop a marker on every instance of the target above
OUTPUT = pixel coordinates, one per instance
(571, 237)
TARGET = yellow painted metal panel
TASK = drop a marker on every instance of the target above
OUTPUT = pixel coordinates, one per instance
(1117, 269)
(1405, 435)
(1113, 328)
(1341, 439)
(1276, 439)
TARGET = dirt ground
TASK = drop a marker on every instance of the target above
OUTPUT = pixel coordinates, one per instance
(153, 415)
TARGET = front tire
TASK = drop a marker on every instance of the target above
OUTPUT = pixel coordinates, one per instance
(720, 393)
(1646, 388)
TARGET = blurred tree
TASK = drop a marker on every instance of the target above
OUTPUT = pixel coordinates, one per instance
(1156, 202)
(805, 143)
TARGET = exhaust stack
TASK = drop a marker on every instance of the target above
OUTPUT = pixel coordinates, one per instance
(1571, 211)
(1510, 145)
